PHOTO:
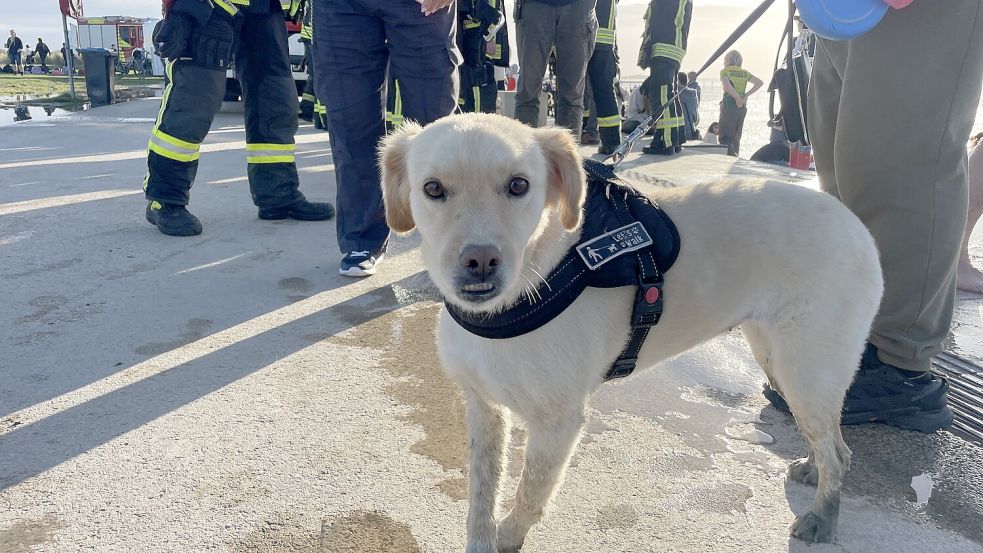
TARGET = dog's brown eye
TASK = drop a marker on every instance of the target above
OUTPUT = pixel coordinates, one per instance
(518, 186)
(434, 189)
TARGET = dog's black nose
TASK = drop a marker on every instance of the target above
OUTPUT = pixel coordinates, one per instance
(481, 261)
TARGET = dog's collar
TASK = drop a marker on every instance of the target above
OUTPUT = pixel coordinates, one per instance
(626, 240)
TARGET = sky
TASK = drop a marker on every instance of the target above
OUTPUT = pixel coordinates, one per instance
(713, 21)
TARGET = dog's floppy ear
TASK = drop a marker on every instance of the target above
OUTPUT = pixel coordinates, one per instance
(395, 181)
(568, 186)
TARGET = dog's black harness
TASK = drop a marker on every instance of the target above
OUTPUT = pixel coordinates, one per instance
(618, 220)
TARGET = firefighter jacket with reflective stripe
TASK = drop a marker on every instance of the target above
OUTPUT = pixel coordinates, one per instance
(606, 11)
(307, 23)
(666, 31)
(500, 57)
(201, 10)
(478, 18)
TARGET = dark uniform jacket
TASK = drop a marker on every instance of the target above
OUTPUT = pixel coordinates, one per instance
(666, 31)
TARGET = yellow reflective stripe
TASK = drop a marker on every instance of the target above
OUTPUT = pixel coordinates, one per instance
(498, 53)
(586, 113)
(273, 147)
(612, 121)
(270, 153)
(398, 104)
(269, 159)
(668, 51)
(240, 2)
(605, 33)
(177, 142)
(169, 71)
(680, 14)
(471, 23)
(169, 152)
(307, 96)
(225, 5)
(614, 16)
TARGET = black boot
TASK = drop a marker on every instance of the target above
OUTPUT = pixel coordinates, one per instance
(301, 210)
(651, 149)
(173, 220)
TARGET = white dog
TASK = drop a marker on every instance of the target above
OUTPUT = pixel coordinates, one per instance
(498, 204)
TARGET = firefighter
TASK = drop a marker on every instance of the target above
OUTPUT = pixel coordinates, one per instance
(200, 39)
(601, 72)
(478, 21)
(663, 48)
(499, 52)
(307, 99)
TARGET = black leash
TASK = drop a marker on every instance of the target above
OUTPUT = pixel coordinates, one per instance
(619, 155)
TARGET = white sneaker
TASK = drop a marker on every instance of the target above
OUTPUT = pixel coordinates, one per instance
(360, 264)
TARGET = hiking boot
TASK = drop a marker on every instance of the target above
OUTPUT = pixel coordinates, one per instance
(607, 149)
(883, 393)
(360, 264)
(650, 149)
(301, 210)
(173, 220)
(587, 139)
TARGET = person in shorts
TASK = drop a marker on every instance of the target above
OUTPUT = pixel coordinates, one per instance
(14, 47)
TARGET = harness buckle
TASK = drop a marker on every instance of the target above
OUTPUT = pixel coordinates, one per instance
(622, 367)
(648, 305)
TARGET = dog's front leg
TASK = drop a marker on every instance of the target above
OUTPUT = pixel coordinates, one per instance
(548, 450)
(487, 429)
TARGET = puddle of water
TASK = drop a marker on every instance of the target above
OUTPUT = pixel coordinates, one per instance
(15, 109)
(9, 114)
(923, 484)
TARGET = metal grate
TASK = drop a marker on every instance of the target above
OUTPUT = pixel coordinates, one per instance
(965, 394)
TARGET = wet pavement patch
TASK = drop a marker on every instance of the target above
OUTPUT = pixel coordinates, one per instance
(195, 329)
(367, 532)
(25, 535)
(410, 357)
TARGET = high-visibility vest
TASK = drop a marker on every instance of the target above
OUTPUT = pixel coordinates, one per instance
(289, 7)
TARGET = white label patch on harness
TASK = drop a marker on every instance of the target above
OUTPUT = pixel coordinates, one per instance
(604, 248)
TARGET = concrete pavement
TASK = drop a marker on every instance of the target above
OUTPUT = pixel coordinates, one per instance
(231, 392)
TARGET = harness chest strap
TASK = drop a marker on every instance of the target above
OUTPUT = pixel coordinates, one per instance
(642, 246)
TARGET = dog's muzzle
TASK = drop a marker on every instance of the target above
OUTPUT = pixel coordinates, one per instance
(478, 275)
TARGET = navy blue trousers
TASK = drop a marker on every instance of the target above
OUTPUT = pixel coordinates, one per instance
(357, 42)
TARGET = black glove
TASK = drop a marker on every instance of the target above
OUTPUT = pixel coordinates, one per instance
(211, 44)
(172, 34)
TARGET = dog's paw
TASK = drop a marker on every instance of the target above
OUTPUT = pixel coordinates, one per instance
(481, 548)
(509, 537)
(811, 527)
(805, 471)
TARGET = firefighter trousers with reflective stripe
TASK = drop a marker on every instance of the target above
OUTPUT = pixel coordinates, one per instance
(479, 95)
(194, 95)
(601, 71)
(670, 128)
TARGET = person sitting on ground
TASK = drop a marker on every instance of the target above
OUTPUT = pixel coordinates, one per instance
(969, 278)
(639, 108)
(777, 148)
(713, 131)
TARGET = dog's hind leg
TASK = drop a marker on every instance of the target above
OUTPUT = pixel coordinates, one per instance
(760, 340)
(487, 431)
(550, 443)
(813, 374)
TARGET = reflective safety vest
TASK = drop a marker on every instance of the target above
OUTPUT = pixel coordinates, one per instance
(606, 11)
